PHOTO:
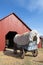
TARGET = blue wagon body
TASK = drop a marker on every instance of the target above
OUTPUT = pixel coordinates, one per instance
(29, 47)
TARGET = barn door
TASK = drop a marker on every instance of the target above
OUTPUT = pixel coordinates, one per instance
(9, 39)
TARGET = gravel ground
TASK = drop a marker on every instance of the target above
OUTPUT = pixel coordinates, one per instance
(8, 58)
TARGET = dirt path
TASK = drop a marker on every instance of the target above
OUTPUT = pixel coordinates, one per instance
(8, 58)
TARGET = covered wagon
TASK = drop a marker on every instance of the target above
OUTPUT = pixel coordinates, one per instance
(26, 42)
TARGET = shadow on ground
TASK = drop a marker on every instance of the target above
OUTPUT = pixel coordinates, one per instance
(11, 53)
(39, 61)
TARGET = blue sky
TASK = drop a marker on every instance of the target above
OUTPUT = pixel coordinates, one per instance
(30, 11)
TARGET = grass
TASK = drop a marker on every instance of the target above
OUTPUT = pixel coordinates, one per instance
(8, 58)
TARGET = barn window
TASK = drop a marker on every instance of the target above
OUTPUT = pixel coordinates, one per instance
(9, 39)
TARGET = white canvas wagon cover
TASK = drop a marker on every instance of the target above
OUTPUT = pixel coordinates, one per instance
(24, 38)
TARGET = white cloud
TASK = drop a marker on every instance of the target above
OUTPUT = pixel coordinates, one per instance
(31, 5)
(40, 3)
(35, 5)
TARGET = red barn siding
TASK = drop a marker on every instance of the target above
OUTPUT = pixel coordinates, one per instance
(40, 45)
(10, 23)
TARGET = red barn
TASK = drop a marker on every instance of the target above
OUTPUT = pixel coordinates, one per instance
(10, 24)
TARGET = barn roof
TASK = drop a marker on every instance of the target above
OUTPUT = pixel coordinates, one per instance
(17, 18)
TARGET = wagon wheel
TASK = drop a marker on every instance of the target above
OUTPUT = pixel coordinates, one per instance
(4, 49)
(35, 53)
(22, 54)
(15, 51)
(25, 51)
